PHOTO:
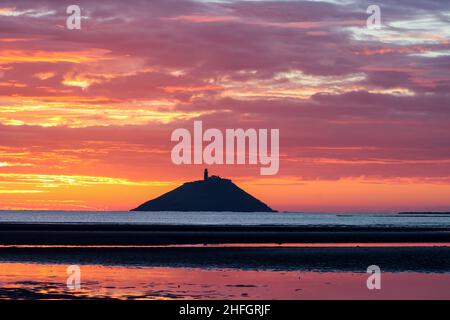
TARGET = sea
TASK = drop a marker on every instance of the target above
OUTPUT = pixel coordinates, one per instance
(229, 218)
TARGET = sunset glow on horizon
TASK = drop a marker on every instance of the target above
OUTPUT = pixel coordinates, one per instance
(86, 115)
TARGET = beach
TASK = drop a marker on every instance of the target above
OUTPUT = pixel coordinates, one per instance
(127, 234)
(328, 258)
(269, 272)
(279, 257)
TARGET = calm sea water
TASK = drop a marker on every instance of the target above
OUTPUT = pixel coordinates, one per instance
(228, 218)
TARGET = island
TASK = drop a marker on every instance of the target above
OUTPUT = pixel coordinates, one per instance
(210, 194)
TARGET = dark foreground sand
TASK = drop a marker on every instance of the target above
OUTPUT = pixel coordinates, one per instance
(66, 234)
(355, 259)
(221, 262)
(328, 256)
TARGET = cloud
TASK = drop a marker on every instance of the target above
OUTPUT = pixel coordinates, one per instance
(350, 102)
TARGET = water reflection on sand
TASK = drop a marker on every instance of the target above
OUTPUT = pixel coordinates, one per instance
(48, 281)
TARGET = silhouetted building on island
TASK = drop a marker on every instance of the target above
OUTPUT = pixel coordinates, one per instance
(213, 193)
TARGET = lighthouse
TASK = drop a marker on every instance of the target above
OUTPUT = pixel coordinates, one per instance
(205, 174)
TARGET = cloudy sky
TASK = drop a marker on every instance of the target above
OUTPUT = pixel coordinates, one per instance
(364, 114)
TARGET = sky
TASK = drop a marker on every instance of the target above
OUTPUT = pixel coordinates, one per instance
(86, 115)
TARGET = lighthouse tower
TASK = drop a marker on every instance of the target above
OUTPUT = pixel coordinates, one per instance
(205, 174)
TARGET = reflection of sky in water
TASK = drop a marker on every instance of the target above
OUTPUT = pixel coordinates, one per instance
(37, 281)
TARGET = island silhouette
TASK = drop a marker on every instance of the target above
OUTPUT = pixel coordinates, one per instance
(213, 193)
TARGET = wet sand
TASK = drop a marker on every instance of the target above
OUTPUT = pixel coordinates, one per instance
(357, 259)
(48, 281)
(108, 234)
(222, 262)
(254, 247)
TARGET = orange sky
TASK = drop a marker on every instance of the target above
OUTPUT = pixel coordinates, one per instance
(86, 115)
